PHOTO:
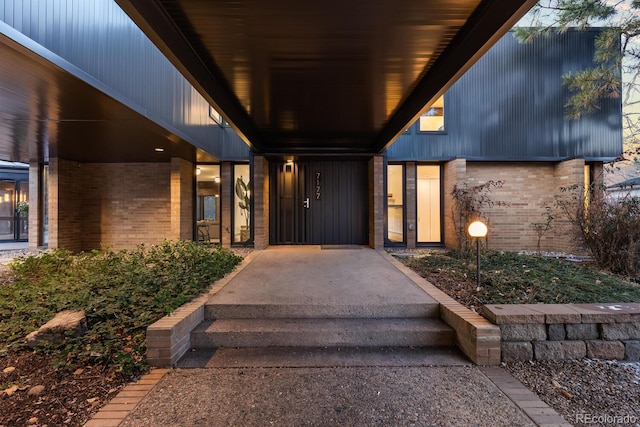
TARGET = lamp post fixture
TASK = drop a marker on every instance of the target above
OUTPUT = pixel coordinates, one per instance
(477, 230)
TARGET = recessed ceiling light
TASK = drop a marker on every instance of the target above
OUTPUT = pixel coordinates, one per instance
(159, 150)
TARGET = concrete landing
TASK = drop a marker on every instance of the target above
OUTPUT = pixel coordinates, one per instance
(310, 275)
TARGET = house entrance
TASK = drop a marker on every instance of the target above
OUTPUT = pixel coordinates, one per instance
(319, 202)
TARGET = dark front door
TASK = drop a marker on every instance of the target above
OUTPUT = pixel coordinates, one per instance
(321, 202)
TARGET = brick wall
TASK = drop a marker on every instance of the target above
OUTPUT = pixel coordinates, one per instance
(410, 203)
(35, 216)
(261, 202)
(376, 202)
(66, 187)
(226, 202)
(570, 172)
(182, 177)
(454, 173)
(124, 204)
(527, 189)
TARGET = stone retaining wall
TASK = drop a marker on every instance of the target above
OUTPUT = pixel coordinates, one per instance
(567, 331)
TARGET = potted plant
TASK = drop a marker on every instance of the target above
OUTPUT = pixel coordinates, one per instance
(23, 209)
(242, 191)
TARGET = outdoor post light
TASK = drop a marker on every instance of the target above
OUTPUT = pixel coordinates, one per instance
(477, 230)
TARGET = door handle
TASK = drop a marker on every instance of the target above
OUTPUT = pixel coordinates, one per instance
(305, 203)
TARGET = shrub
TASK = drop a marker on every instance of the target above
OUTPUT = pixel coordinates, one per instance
(607, 227)
(121, 292)
(470, 204)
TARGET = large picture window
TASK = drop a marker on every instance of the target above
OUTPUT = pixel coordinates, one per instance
(241, 204)
(428, 200)
(433, 119)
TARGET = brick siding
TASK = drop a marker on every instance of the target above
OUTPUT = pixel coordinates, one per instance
(182, 188)
(124, 204)
(455, 172)
(528, 188)
(410, 203)
(376, 202)
(226, 201)
(66, 187)
(261, 202)
(118, 205)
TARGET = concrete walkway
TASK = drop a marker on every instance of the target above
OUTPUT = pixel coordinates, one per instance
(311, 275)
(327, 387)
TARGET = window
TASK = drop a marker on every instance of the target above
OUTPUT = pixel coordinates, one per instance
(208, 203)
(432, 120)
(241, 203)
(428, 201)
(395, 203)
(215, 116)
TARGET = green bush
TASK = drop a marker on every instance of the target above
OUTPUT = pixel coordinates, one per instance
(121, 292)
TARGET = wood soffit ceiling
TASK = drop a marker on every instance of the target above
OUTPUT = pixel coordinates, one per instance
(295, 76)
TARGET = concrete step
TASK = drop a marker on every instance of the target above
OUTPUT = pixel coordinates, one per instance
(322, 333)
(322, 311)
(317, 357)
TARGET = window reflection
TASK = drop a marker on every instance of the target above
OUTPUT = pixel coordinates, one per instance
(433, 119)
(208, 203)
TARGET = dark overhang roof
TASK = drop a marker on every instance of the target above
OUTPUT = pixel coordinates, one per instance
(294, 76)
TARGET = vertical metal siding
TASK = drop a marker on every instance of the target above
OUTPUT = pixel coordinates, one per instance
(510, 106)
(100, 39)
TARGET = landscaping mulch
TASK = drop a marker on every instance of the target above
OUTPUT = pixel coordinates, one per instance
(45, 395)
(67, 383)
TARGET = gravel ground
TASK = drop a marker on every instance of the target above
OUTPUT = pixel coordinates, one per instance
(584, 391)
(381, 396)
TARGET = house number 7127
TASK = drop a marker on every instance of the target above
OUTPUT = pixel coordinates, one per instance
(318, 186)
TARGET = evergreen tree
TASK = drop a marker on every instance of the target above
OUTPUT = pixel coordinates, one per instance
(617, 49)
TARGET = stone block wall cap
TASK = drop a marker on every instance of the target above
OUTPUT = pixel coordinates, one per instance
(612, 308)
(556, 313)
(502, 314)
